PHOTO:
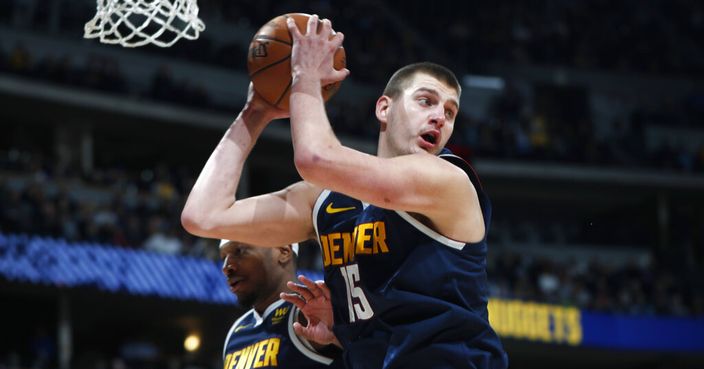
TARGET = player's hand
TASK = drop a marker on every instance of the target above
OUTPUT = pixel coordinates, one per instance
(257, 104)
(313, 53)
(313, 299)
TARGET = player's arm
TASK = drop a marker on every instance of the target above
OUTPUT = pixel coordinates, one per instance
(420, 183)
(211, 209)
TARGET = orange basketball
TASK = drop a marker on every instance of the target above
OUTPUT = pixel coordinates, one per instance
(269, 61)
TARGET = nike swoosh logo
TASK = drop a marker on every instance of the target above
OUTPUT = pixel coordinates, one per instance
(242, 327)
(331, 210)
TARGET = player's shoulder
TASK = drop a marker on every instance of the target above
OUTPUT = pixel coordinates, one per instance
(247, 320)
(304, 189)
(276, 312)
(445, 165)
(451, 157)
(279, 313)
(461, 165)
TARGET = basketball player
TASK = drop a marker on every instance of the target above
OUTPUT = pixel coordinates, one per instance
(403, 233)
(264, 337)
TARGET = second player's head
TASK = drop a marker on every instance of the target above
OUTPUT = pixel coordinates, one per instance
(257, 274)
(417, 110)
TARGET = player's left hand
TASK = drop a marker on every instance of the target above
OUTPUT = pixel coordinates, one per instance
(313, 299)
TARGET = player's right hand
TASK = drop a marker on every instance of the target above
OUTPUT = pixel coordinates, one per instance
(313, 299)
(258, 104)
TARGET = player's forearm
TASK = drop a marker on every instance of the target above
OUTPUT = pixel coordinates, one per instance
(314, 141)
(214, 190)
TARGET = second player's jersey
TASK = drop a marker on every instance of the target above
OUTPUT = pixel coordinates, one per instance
(268, 341)
(403, 295)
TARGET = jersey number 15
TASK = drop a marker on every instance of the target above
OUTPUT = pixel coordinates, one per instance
(357, 303)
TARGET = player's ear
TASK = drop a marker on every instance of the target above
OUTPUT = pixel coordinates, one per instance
(285, 254)
(382, 108)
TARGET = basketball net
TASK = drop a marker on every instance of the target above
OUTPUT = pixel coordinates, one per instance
(133, 23)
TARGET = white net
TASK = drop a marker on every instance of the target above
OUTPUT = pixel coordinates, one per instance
(133, 23)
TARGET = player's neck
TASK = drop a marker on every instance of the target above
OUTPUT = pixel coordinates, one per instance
(261, 305)
(382, 148)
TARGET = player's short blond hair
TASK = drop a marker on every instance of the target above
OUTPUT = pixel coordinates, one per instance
(400, 80)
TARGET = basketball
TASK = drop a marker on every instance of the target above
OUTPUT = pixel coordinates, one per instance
(269, 61)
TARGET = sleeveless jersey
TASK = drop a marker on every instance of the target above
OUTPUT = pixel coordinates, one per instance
(269, 341)
(403, 295)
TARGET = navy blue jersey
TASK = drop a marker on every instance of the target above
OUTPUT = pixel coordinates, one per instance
(269, 341)
(403, 295)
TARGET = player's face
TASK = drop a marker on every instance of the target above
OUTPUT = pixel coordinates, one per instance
(423, 117)
(247, 269)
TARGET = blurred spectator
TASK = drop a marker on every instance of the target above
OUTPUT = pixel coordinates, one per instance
(162, 237)
(20, 60)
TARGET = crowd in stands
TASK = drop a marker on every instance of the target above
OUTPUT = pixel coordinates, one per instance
(98, 73)
(113, 206)
(512, 130)
(102, 73)
(657, 38)
(634, 288)
(663, 38)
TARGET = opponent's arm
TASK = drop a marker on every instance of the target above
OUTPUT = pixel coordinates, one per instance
(211, 209)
